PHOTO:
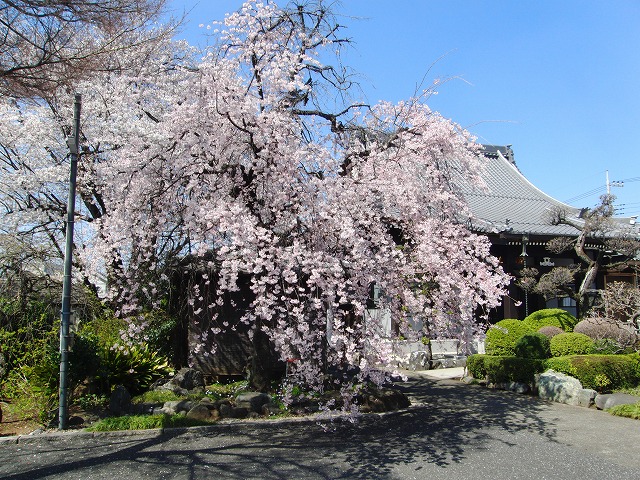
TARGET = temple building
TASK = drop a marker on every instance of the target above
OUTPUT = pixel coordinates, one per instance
(515, 215)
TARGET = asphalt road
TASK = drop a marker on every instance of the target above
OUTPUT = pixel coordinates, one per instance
(452, 431)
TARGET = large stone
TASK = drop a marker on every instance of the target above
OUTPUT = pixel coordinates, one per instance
(200, 411)
(253, 401)
(120, 401)
(586, 397)
(226, 410)
(558, 387)
(188, 378)
(609, 400)
(178, 406)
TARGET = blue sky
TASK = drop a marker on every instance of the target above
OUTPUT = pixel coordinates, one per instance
(559, 80)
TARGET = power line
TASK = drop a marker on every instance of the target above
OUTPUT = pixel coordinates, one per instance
(586, 194)
(616, 183)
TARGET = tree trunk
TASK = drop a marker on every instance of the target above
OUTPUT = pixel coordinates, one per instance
(583, 291)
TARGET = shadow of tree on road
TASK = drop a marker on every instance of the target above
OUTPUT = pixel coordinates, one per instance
(447, 419)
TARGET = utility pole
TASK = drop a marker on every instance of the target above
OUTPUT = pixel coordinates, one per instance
(65, 314)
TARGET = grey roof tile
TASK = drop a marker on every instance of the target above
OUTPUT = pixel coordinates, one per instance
(512, 203)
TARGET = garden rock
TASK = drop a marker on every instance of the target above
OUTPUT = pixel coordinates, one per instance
(605, 401)
(393, 399)
(200, 412)
(253, 401)
(177, 406)
(239, 412)
(120, 401)
(185, 381)
(225, 410)
(586, 397)
(382, 400)
(145, 408)
(558, 387)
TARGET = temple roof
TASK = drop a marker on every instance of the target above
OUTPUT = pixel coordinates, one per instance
(512, 204)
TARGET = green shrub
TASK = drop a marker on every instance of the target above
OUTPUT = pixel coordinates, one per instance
(551, 317)
(570, 343)
(533, 345)
(26, 329)
(92, 401)
(604, 373)
(160, 333)
(501, 369)
(106, 329)
(502, 337)
(136, 367)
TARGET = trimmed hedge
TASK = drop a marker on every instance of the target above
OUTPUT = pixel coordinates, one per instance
(603, 373)
(570, 343)
(501, 369)
(555, 317)
(533, 345)
(502, 337)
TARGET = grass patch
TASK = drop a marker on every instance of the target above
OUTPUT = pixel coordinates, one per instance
(157, 396)
(629, 411)
(222, 390)
(145, 422)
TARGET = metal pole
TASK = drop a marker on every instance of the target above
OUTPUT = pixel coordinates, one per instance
(65, 314)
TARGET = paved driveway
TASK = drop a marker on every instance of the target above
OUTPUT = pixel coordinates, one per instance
(453, 431)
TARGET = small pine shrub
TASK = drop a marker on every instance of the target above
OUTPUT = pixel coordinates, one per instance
(533, 345)
(502, 337)
(550, 331)
(551, 317)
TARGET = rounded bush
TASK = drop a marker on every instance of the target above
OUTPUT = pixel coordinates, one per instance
(570, 343)
(550, 331)
(502, 337)
(551, 317)
(603, 328)
(533, 345)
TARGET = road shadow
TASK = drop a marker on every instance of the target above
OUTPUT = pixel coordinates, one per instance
(446, 419)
